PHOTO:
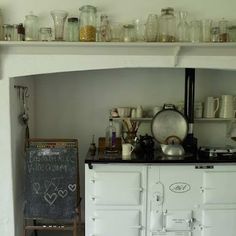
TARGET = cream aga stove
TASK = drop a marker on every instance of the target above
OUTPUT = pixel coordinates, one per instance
(160, 200)
(20, 59)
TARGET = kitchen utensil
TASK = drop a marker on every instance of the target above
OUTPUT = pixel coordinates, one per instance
(172, 149)
(211, 106)
(169, 123)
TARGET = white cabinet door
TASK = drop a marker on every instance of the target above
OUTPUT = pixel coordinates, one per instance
(117, 188)
(117, 223)
(219, 222)
(219, 187)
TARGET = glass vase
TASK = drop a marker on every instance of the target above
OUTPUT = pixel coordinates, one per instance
(59, 18)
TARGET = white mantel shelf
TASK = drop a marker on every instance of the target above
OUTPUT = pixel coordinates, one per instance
(79, 56)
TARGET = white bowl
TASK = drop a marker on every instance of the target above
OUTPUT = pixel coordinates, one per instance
(124, 111)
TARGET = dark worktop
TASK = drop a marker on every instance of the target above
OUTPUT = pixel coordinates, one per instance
(103, 158)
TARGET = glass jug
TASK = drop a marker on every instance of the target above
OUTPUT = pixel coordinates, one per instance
(31, 27)
(87, 31)
(167, 25)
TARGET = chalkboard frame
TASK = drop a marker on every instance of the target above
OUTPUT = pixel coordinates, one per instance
(57, 143)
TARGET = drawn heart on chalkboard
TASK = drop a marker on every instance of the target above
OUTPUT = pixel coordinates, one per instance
(62, 193)
(50, 198)
(36, 187)
(72, 187)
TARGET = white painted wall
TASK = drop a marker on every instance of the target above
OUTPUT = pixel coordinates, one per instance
(18, 137)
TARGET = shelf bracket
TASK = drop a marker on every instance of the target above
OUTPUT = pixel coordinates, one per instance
(176, 55)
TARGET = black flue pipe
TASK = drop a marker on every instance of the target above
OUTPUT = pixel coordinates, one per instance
(190, 142)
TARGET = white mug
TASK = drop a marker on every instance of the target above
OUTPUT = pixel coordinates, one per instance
(227, 106)
(211, 106)
(127, 149)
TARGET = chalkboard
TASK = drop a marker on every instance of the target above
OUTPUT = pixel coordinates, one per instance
(51, 183)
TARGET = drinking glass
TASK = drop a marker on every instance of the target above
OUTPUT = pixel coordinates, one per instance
(206, 30)
(195, 31)
(139, 29)
(59, 18)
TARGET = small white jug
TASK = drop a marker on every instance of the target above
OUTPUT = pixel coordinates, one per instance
(211, 106)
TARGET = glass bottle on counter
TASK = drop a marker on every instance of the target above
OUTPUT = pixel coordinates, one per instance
(167, 25)
(110, 140)
(87, 31)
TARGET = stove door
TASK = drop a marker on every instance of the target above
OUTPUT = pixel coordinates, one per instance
(117, 223)
(219, 222)
(218, 187)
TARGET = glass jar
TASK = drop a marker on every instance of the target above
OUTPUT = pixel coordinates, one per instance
(232, 33)
(7, 32)
(215, 34)
(20, 32)
(167, 25)
(31, 27)
(45, 34)
(87, 31)
(129, 33)
(224, 35)
(73, 29)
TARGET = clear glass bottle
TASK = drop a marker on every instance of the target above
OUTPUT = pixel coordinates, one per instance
(105, 29)
(73, 29)
(110, 142)
(183, 27)
(87, 31)
(151, 28)
(31, 27)
(167, 25)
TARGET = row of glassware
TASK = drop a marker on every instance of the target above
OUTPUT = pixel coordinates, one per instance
(89, 27)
